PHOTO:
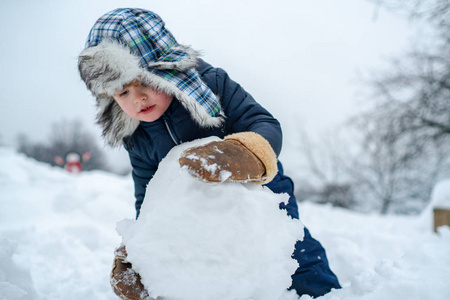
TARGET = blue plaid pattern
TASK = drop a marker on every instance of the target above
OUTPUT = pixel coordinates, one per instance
(145, 34)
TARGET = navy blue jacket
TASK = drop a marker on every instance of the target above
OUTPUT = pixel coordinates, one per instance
(151, 141)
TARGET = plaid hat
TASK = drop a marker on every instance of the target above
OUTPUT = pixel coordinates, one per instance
(129, 44)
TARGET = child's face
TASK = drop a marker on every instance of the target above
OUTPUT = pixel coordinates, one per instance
(141, 102)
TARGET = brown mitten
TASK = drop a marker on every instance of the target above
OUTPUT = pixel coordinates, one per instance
(240, 157)
(223, 161)
(124, 280)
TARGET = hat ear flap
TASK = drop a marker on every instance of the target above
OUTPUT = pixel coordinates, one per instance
(116, 124)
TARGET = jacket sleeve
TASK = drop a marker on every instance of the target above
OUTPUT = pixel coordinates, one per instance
(242, 112)
(142, 174)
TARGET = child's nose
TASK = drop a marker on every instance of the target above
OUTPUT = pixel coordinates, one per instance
(140, 97)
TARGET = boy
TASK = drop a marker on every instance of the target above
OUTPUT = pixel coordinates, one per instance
(153, 93)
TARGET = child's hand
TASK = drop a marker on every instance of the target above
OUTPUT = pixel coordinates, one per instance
(223, 161)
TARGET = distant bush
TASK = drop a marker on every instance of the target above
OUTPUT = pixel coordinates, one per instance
(65, 136)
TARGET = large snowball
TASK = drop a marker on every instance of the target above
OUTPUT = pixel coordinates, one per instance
(196, 240)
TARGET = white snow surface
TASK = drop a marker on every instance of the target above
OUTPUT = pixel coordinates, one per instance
(441, 195)
(199, 241)
(57, 239)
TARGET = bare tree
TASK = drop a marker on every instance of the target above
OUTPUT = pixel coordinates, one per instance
(436, 12)
(406, 134)
(391, 170)
(418, 94)
(324, 177)
(402, 141)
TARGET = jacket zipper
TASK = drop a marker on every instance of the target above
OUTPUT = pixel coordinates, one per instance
(170, 131)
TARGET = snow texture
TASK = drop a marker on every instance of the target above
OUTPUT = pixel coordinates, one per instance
(57, 239)
(441, 195)
(198, 241)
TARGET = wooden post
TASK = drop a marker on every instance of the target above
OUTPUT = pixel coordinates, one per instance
(441, 217)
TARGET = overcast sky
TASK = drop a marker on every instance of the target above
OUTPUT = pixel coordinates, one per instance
(300, 59)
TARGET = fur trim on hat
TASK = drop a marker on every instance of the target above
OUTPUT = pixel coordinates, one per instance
(110, 66)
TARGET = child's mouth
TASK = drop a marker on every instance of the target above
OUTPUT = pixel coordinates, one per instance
(147, 109)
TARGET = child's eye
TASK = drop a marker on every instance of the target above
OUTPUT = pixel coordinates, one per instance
(123, 93)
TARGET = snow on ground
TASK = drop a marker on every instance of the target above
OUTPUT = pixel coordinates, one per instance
(57, 230)
(441, 195)
(390, 257)
(57, 237)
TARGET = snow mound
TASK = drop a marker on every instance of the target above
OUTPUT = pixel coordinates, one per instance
(381, 257)
(15, 282)
(196, 240)
(57, 234)
(441, 195)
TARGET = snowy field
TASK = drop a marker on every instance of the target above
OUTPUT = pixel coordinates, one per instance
(58, 234)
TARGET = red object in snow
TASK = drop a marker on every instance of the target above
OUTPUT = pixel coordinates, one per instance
(72, 161)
